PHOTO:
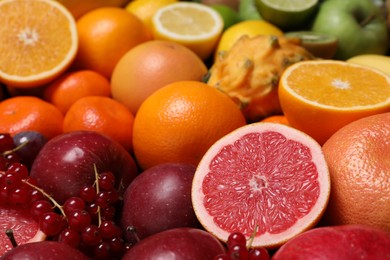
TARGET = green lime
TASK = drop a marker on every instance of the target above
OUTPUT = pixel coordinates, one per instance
(247, 10)
(229, 15)
(287, 14)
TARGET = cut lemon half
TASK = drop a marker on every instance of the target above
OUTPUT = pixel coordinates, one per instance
(286, 14)
(38, 41)
(193, 25)
(321, 96)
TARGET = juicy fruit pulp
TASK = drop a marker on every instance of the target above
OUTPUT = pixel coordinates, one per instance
(265, 179)
(35, 50)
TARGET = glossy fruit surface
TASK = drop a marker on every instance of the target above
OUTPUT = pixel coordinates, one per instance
(24, 113)
(265, 180)
(359, 165)
(35, 50)
(66, 163)
(337, 242)
(159, 199)
(150, 66)
(103, 115)
(180, 121)
(178, 243)
(319, 97)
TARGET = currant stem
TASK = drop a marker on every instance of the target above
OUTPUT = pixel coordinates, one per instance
(11, 237)
(15, 149)
(55, 203)
(97, 192)
(252, 237)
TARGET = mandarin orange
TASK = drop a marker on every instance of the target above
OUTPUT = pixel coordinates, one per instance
(180, 121)
(105, 35)
(101, 114)
(150, 66)
(74, 85)
(359, 164)
(24, 113)
(281, 119)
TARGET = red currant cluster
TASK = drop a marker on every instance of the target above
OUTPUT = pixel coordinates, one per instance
(238, 250)
(86, 222)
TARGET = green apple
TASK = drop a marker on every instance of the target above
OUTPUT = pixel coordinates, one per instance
(248, 11)
(359, 26)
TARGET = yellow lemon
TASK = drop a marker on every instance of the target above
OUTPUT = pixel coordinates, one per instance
(145, 9)
(247, 27)
(193, 25)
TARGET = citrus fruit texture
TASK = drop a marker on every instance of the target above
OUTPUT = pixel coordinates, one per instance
(24, 113)
(287, 14)
(321, 96)
(24, 228)
(72, 86)
(105, 35)
(101, 114)
(248, 27)
(266, 180)
(33, 50)
(78, 8)
(151, 65)
(359, 164)
(180, 121)
(145, 9)
(193, 25)
(376, 61)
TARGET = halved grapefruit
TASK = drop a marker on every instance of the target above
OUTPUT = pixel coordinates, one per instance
(265, 180)
(25, 228)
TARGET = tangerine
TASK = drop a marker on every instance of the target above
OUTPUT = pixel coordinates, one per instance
(24, 113)
(105, 35)
(74, 85)
(101, 114)
(180, 121)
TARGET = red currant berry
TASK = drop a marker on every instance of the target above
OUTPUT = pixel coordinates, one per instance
(91, 235)
(6, 142)
(107, 181)
(70, 237)
(259, 254)
(19, 195)
(88, 194)
(18, 168)
(72, 204)
(109, 229)
(79, 220)
(51, 223)
(102, 251)
(238, 252)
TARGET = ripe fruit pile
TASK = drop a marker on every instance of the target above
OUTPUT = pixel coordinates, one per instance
(203, 129)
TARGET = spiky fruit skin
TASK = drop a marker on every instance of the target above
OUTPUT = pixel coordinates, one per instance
(66, 163)
(249, 72)
(345, 242)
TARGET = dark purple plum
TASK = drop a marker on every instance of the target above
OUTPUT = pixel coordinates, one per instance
(66, 162)
(158, 199)
(33, 142)
(177, 243)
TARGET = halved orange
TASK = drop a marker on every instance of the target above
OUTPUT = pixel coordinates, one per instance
(319, 97)
(38, 41)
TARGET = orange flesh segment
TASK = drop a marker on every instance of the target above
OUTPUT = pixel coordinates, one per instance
(35, 38)
(344, 87)
(282, 188)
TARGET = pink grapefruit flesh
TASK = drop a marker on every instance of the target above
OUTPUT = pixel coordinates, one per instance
(265, 180)
(25, 228)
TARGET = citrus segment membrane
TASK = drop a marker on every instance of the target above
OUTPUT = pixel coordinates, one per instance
(38, 40)
(263, 178)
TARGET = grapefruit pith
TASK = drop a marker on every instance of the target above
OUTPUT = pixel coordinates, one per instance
(265, 180)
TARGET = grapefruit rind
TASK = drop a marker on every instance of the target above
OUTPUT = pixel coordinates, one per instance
(266, 239)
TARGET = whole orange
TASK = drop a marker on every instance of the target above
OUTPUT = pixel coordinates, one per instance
(180, 121)
(150, 66)
(72, 86)
(359, 164)
(105, 35)
(103, 115)
(24, 113)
